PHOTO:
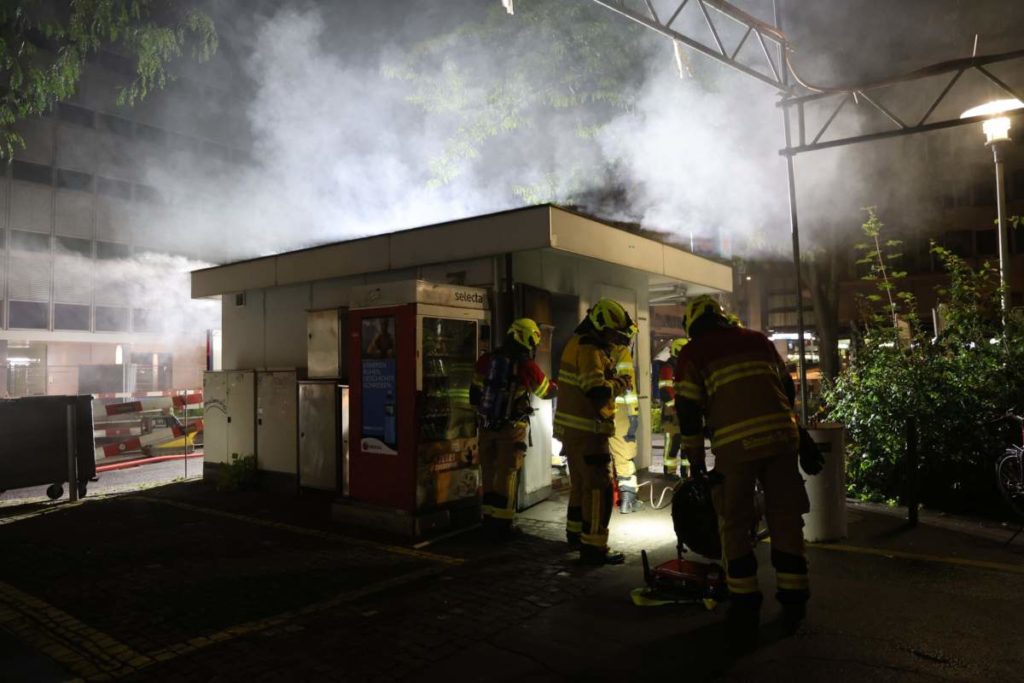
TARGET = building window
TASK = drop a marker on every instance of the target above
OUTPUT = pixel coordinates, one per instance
(32, 173)
(147, 193)
(73, 180)
(111, 319)
(109, 251)
(984, 193)
(115, 124)
(781, 301)
(144, 320)
(80, 116)
(987, 242)
(29, 241)
(71, 317)
(116, 63)
(1017, 185)
(960, 242)
(75, 246)
(150, 134)
(113, 188)
(30, 315)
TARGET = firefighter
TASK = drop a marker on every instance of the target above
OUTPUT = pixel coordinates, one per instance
(623, 443)
(667, 395)
(585, 421)
(732, 381)
(502, 384)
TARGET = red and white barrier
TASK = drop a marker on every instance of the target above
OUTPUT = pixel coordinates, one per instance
(145, 421)
(153, 438)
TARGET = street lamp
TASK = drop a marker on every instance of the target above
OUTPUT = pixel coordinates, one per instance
(997, 136)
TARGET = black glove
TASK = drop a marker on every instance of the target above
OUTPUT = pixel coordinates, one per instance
(811, 459)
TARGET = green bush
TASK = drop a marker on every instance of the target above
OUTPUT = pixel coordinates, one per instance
(239, 474)
(950, 387)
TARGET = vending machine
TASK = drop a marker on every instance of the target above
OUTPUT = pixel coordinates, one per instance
(413, 435)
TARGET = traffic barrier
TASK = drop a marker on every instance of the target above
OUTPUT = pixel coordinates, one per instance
(143, 423)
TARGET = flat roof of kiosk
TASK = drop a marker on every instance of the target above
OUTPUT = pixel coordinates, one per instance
(526, 229)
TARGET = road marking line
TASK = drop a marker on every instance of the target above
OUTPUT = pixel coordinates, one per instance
(956, 561)
(393, 549)
(87, 652)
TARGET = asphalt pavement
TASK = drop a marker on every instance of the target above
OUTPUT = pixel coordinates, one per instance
(116, 481)
(184, 583)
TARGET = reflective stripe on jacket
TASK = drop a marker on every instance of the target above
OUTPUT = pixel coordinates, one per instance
(734, 377)
(623, 360)
(584, 366)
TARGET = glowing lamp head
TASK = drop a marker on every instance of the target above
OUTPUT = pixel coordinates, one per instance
(996, 126)
(996, 129)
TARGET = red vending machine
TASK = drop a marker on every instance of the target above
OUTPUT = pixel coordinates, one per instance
(413, 436)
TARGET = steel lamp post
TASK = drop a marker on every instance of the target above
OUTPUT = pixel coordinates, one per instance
(997, 136)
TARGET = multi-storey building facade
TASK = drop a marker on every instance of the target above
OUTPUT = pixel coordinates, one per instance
(93, 255)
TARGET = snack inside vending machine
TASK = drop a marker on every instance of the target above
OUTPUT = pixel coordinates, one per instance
(412, 434)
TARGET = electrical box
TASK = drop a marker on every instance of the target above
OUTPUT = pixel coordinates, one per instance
(323, 435)
(229, 415)
(276, 421)
(325, 343)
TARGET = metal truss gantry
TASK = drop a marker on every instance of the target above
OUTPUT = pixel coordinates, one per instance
(772, 65)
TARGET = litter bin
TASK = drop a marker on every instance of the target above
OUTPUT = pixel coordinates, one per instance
(826, 520)
(35, 443)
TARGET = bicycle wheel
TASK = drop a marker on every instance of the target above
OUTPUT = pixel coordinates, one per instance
(1010, 479)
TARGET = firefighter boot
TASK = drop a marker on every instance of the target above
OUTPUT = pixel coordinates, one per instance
(573, 539)
(793, 614)
(592, 555)
(628, 502)
(742, 621)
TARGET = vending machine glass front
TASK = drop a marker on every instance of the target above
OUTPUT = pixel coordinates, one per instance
(449, 353)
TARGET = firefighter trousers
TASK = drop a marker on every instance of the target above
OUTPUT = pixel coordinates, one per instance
(673, 452)
(501, 459)
(623, 452)
(785, 503)
(590, 489)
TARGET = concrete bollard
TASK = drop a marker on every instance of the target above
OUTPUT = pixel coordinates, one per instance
(826, 520)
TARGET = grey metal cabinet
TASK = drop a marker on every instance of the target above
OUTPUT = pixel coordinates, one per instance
(276, 420)
(323, 435)
(229, 415)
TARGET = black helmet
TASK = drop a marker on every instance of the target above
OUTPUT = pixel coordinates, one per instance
(695, 519)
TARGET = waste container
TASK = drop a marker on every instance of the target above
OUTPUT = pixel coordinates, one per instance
(826, 520)
(35, 443)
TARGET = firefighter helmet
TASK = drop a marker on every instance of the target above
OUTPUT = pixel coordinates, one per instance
(526, 333)
(694, 517)
(699, 306)
(677, 345)
(608, 314)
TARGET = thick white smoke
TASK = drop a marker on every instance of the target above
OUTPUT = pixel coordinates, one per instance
(341, 151)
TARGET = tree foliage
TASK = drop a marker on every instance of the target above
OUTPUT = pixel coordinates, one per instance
(951, 386)
(502, 75)
(44, 47)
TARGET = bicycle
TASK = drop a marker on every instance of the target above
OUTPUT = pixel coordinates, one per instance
(1010, 475)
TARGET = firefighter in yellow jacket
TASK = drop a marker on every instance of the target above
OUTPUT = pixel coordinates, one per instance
(502, 383)
(732, 382)
(667, 396)
(585, 421)
(623, 442)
